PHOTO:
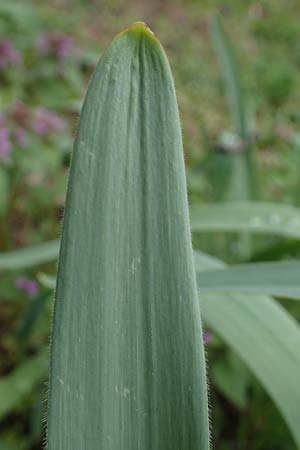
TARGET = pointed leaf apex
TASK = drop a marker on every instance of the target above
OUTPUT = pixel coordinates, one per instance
(140, 29)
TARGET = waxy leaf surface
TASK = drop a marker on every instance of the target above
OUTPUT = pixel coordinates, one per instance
(128, 368)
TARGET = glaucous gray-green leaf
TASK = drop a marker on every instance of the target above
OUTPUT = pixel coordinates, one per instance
(29, 256)
(255, 217)
(265, 337)
(128, 367)
(281, 279)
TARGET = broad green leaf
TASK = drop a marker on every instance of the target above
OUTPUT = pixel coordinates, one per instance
(232, 78)
(29, 256)
(281, 279)
(265, 337)
(16, 386)
(255, 217)
(128, 367)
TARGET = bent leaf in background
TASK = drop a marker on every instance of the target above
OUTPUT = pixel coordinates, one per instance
(29, 256)
(128, 368)
(281, 279)
(265, 337)
(255, 217)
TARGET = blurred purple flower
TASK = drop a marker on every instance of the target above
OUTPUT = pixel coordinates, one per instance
(21, 283)
(207, 338)
(64, 47)
(5, 145)
(45, 122)
(58, 45)
(8, 54)
(30, 287)
(21, 137)
(44, 44)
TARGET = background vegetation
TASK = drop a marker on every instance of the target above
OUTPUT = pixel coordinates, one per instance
(239, 106)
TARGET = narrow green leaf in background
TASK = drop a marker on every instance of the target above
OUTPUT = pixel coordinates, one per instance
(242, 182)
(281, 279)
(29, 256)
(128, 367)
(15, 386)
(265, 337)
(255, 217)
(232, 78)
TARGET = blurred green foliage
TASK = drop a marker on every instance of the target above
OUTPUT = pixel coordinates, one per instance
(48, 51)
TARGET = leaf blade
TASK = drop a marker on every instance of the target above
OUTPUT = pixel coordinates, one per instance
(232, 77)
(29, 256)
(121, 287)
(253, 329)
(280, 279)
(254, 217)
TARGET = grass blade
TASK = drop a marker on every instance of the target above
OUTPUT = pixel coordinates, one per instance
(266, 338)
(30, 256)
(128, 368)
(255, 217)
(242, 184)
(232, 78)
(281, 279)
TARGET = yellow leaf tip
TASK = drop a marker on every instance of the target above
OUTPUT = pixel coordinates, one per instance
(140, 28)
